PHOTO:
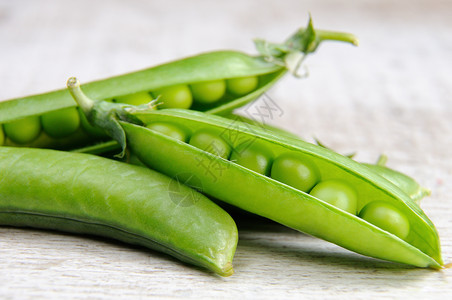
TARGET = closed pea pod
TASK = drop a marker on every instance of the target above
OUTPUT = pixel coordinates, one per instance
(173, 81)
(72, 192)
(276, 200)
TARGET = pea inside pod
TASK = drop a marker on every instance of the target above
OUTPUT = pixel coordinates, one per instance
(276, 200)
(72, 192)
(61, 123)
(24, 130)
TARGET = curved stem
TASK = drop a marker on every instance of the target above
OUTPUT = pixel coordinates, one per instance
(324, 35)
(86, 104)
(306, 40)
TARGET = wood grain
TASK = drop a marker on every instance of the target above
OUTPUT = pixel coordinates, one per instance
(390, 95)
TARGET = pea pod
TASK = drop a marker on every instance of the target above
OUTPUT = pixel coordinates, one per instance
(281, 199)
(402, 181)
(73, 192)
(215, 82)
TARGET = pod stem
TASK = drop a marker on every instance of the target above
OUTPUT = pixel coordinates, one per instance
(107, 115)
(325, 35)
(292, 52)
(85, 103)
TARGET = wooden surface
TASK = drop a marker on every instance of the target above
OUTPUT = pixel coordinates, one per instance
(391, 95)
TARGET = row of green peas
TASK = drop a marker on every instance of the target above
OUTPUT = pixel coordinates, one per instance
(294, 170)
(205, 93)
(65, 122)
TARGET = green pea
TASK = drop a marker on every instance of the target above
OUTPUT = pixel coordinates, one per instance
(242, 85)
(337, 193)
(90, 129)
(135, 99)
(255, 156)
(178, 96)
(2, 135)
(61, 123)
(170, 130)
(294, 170)
(209, 141)
(24, 130)
(386, 217)
(209, 91)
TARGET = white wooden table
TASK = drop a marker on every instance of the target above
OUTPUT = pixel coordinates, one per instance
(391, 95)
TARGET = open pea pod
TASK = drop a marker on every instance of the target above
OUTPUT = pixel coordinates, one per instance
(215, 82)
(298, 184)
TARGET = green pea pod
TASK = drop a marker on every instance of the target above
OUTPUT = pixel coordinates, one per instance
(221, 81)
(73, 192)
(382, 222)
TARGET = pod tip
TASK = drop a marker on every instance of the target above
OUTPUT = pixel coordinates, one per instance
(73, 82)
(227, 270)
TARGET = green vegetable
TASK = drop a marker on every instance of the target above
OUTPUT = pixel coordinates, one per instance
(295, 170)
(171, 81)
(135, 99)
(209, 141)
(176, 132)
(24, 130)
(208, 92)
(254, 156)
(242, 86)
(268, 197)
(86, 194)
(61, 123)
(178, 96)
(387, 217)
(337, 193)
